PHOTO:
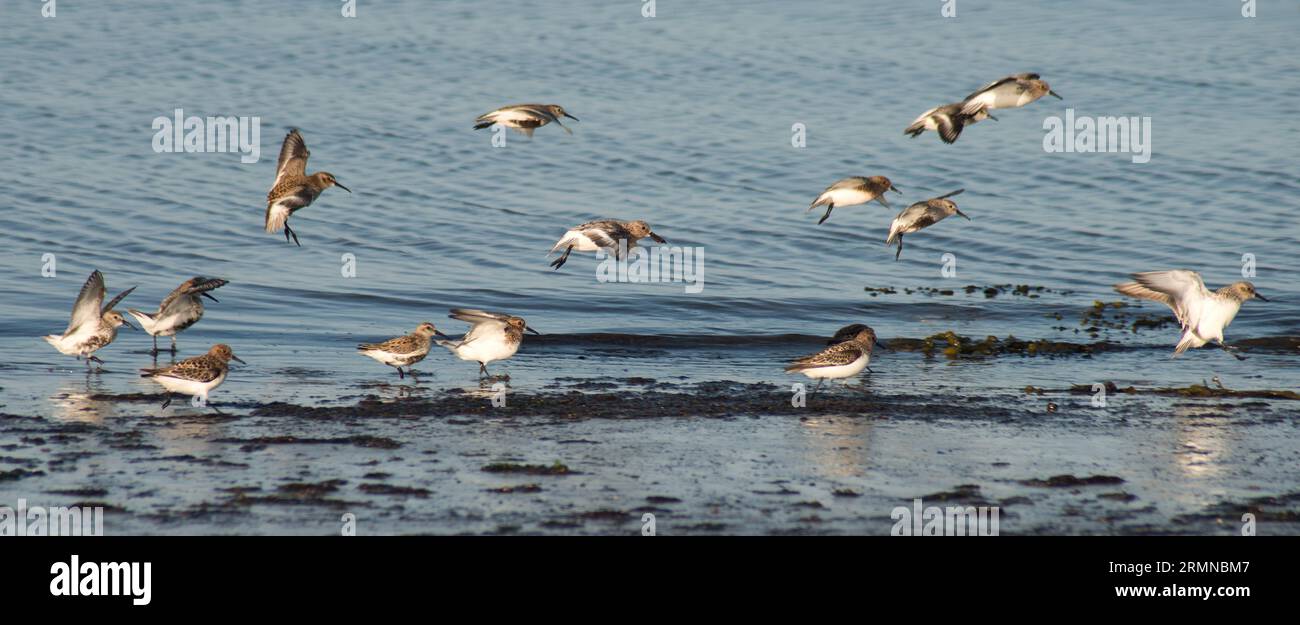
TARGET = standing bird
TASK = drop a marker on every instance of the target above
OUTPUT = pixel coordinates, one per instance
(181, 309)
(94, 324)
(603, 234)
(293, 188)
(947, 120)
(1203, 314)
(840, 360)
(492, 336)
(853, 191)
(525, 117)
(196, 376)
(403, 351)
(1005, 93)
(920, 215)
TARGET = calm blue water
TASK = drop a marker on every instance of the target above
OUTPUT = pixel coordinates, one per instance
(685, 122)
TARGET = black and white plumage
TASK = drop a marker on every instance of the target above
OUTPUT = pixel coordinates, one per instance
(94, 323)
(1203, 314)
(1010, 92)
(921, 215)
(403, 351)
(525, 117)
(293, 189)
(181, 309)
(853, 191)
(947, 120)
(492, 336)
(841, 359)
(602, 234)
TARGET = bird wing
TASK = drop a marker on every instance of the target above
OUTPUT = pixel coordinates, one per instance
(293, 157)
(476, 317)
(197, 369)
(949, 127)
(87, 308)
(198, 284)
(1182, 290)
(906, 219)
(836, 355)
(113, 302)
(399, 345)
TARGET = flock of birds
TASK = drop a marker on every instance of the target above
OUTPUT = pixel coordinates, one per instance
(1203, 314)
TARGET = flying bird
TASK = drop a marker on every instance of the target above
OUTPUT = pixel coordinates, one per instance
(294, 189)
(181, 309)
(853, 191)
(492, 336)
(1202, 313)
(94, 324)
(1009, 92)
(919, 216)
(947, 120)
(525, 117)
(602, 234)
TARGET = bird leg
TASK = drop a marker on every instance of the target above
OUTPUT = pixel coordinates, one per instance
(400, 375)
(900, 248)
(288, 232)
(167, 402)
(829, 208)
(559, 262)
(173, 343)
(155, 346)
(482, 370)
(817, 388)
(215, 408)
(1232, 350)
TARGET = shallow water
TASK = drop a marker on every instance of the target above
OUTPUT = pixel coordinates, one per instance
(686, 122)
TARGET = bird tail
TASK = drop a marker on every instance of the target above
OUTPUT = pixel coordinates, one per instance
(915, 129)
(146, 319)
(1189, 340)
(821, 200)
(53, 339)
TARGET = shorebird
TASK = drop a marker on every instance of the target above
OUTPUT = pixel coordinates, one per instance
(492, 336)
(1202, 313)
(525, 117)
(921, 215)
(947, 120)
(196, 376)
(603, 234)
(181, 309)
(293, 188)
(840, 360)
(94, 324)
(853, 191)
(1010, 92)
(403, 351)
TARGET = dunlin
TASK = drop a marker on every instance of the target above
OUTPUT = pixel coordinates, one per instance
(525, 117)
(853, 191)
(947, 120)
(1202, 313)
(196, 376)
(94, 324)
(293, 188)
(403, 351)
(602, 234)
(840, 360)
(1004, 93)
(181, 309)
(921, 215)
(492, 336)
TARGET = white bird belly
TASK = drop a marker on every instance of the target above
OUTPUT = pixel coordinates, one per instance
(839, 371)
(579, 241)
(189, 387)
(850, 197)
(485, 351)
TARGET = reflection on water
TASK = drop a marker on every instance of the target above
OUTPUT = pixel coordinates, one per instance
(839, 447)
(1204, 438)
(73, 404)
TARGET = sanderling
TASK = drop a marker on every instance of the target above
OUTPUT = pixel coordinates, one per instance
(293, 188)
(840, 360)
(1203, 313)
(196, 376)
(853, 191)
(921, 215)
(181, 309)
(94, 324)
(492, 336)
(403, 351)
(947, 120)
(602, 234)
(1004, 93)
(525, 117)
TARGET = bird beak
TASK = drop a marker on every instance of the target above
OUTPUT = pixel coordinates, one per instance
(1258, 296)
(962, 214)
(1058, 96)
(237, 359)
(128, 324)
(882, 345)
(992, 117)
(572, 117)
(439, 334)
(205, 294)
(336, 183)
(657, 238)
(894, 189)
(530, 329)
